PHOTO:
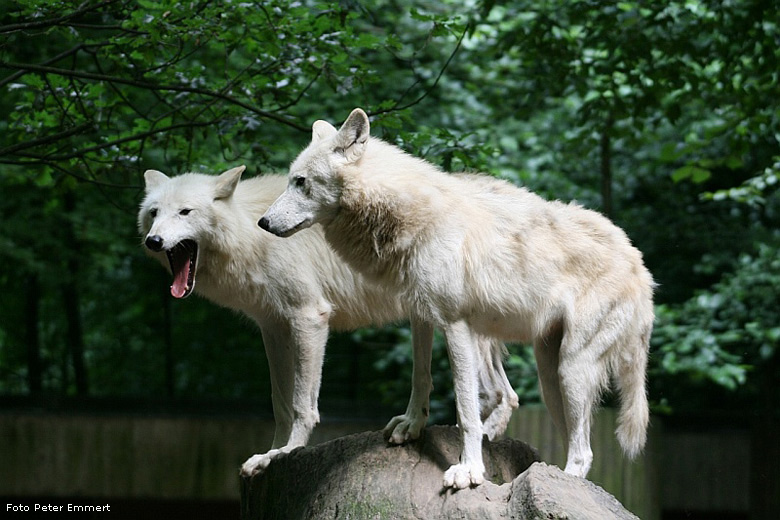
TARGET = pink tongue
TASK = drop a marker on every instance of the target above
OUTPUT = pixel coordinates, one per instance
(181, 272)
(179, 287)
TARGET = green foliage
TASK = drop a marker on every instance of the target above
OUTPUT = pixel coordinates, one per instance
(754, 191)
(728, 334)
(453, 152)
(116, 85)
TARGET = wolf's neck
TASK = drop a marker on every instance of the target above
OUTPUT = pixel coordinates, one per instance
(234, 239)
(372, 230)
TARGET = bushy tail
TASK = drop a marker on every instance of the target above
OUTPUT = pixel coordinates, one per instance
(634, 414)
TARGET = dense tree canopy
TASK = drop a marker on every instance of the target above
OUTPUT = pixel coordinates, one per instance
(663, 116)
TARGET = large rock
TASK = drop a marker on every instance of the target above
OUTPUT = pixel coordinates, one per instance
(361, 477)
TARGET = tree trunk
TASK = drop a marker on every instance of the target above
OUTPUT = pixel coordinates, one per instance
(170, 376)
(606, 168)
(74, 335)
(32, 336)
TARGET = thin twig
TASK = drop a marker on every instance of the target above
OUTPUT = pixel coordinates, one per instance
(435, 83)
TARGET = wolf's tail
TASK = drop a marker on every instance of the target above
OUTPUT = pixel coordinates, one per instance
(634, 414)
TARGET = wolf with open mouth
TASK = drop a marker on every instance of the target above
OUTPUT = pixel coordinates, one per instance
(183, 262)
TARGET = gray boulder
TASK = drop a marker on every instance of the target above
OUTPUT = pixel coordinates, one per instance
(361, 477)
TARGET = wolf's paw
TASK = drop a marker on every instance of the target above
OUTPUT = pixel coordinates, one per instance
(257, 463)
(579, 466)
(461, 476)
(404, 428)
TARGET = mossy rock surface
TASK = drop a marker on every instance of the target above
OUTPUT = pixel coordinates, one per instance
(361, 477)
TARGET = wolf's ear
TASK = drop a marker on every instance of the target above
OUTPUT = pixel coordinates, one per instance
(321, 130)
(153, 178)
(227, 182)
(352, 138)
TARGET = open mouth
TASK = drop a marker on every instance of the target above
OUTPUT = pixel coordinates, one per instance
(183, 258)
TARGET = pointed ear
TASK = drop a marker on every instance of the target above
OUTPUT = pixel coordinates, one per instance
(227, 182)
(321, 130)
(353, 136)
(153, 178)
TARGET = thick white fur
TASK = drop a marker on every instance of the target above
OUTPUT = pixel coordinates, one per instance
(295, 290)
(477, 255)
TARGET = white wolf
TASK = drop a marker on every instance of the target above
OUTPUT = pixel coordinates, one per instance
(476, 255)
(203, 228)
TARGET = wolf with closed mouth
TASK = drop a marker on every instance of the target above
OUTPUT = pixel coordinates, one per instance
(478, 256)
(202, 228)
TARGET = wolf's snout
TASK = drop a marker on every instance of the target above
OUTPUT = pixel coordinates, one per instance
(154, 242)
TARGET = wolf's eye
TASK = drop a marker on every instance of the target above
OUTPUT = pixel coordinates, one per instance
(185, 212)
(299, 182)
(153, 212)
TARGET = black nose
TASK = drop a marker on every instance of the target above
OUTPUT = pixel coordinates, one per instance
(263, 223)
(154, 242)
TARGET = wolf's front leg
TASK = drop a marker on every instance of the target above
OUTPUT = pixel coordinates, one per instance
(462, 346)
(406, 427)
(280, 352)
(309, 331)
(295, 352)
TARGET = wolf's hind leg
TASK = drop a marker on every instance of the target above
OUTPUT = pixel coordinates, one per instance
(547, 354)
(580, 390)
(497, 398)
(584, 373)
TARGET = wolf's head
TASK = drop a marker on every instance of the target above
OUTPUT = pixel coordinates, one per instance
(315, 182)
(177, 216)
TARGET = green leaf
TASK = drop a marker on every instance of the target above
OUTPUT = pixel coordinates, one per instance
(695, 173)
(670, 152)
(34, 81)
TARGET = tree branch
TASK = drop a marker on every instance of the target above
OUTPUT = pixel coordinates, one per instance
(153, 86)
(109, 144)
(55, 59)
(49, 22)
(12, 150)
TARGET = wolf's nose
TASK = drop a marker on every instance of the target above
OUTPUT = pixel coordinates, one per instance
(154, 242)
(263, 223)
